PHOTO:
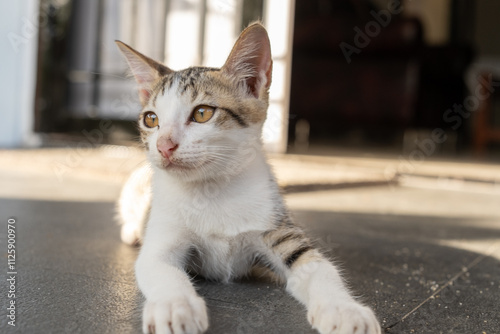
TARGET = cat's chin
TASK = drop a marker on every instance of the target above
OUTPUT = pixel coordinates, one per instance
(180, 165)
(170, 166)
(180, 170)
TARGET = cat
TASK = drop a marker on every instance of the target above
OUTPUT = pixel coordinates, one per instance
(209, 200)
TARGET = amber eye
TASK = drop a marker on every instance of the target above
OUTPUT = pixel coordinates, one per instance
(202, 114)
(150, 119)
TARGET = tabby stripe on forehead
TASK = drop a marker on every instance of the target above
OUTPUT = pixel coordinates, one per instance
(290, 260)
(288, 236)
(168, 80)
(236, 117)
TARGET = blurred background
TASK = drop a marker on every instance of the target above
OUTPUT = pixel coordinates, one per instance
(383, 131)
(350, 76)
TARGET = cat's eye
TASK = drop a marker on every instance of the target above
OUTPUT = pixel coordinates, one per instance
(150, 119)
(202, 114)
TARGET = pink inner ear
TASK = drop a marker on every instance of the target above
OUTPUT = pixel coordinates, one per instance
(250, 58)
(145, 70)
(146, 77)
(144, 95)
(252, 86)
(145, 81)
(264, 64)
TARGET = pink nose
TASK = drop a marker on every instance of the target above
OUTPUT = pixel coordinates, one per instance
(166, 147)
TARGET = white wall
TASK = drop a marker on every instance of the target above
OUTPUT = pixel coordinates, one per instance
(18, 45)
(435, 16)
(279, 19)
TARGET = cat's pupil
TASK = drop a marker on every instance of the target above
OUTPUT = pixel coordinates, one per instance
(202, 114)
(150, 119)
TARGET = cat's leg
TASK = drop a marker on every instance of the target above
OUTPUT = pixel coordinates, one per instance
(172, 304)
(132, 209)
(316, 282)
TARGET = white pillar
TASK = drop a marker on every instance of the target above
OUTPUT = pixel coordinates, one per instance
(18, 46)
(279, 20)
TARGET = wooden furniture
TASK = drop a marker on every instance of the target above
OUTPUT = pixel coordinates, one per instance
(485, 131)
(391, 83)
(375, 88)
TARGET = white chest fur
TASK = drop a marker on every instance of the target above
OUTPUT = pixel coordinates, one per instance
(217, 217)
(223, 208)
(222, 258)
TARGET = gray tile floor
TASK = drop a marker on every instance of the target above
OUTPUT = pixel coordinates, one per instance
(426, 260)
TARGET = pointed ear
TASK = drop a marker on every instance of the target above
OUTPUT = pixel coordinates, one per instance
(145, 70)
(250, 60)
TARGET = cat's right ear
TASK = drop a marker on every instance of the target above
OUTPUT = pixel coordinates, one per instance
(250, 59)
(145, 70)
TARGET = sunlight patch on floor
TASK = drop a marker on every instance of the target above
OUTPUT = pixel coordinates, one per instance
(395, 200)
(483, 247)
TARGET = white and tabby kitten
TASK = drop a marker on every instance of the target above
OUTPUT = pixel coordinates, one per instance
(209, 199)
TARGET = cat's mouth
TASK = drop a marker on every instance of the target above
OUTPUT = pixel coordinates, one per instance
(173, 164)
(182, 165)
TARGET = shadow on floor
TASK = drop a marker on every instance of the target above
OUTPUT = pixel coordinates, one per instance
(75, 276)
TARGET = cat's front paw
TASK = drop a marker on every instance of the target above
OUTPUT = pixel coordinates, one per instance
(343, 318)
(131, 234)
(177, 315)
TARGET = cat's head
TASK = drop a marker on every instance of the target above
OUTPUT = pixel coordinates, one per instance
(203, 123)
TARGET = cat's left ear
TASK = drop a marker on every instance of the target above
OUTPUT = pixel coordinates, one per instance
(250, 60)
(145, 70)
